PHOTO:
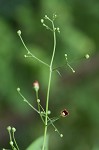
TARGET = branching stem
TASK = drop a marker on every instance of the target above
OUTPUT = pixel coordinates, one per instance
(30, 54)
(49, 83)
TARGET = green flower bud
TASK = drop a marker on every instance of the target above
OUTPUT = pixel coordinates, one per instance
(36, 86)
(11, 143)
(13, 129)
(18, 89)
(9, 128)
(19, 32)
(87, 56)
(42, 20)
(61, 135)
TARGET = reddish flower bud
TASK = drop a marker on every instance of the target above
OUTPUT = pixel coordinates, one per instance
(36, 86)
(64, 113)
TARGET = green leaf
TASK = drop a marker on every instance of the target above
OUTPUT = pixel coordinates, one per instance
(37, 144)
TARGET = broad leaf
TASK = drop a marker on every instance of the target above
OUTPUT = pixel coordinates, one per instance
(37, 144)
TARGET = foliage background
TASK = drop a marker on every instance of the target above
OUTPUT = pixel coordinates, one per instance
(79, 25)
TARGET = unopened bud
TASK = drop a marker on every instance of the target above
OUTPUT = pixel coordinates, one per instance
(11, 143)
(18, 89)
(58, 30)
(13, 129)
(42, 20)
(42, 112)
(38, 100)
(36, 86)
(9, 128)
(61, 135)
(25, 56)
(49, 112)
(66, 56)
(55, 15)
(19, 32)
(73, 71)
(87, 56)
(46, 17)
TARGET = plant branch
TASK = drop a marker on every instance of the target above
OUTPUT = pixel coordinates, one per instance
(49, 83)
(25, 100)
(29, 53)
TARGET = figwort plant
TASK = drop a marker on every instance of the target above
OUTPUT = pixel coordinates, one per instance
(43, 113)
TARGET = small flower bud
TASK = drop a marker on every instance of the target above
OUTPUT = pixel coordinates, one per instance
(38, 100)
(25, 56)
(36, 86)
(13, 129)
(42, 112)
(66, 56)
(9, 128)
(11, 143)
(42, 20)
(61, 135)
(46, 17)
(87, 56)
(64, 113)
(73, 71)
(19, 32)
(49, 112)
(18, 89)
(58, 30)
(54, 16)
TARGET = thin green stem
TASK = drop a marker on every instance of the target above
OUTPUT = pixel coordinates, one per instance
(25, 100)
(49, 83)
(51, 120)
(69, 64)
(10, 135)
(54, 69)
(54, 48)
(31, 53)
(15, 142)
(39, 107)
(44, 140)
(54, 125)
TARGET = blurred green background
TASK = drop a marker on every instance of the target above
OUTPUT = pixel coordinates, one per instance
(79, 25)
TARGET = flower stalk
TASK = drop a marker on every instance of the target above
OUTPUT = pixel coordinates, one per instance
(49, 84)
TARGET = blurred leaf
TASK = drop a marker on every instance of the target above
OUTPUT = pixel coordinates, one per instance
(37, 144)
